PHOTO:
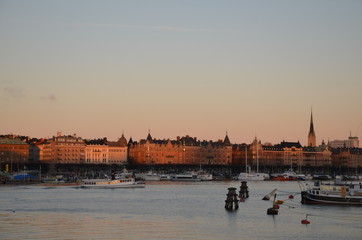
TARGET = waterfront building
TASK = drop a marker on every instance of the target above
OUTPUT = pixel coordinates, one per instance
(102, 151)
(352, 142)
(183, 150)
(283, 155)
(67, 149)
(40, 151)
(13, 151)
(347, 157)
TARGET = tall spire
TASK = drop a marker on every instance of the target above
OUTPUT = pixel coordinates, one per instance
(311, 135)
(226, 140)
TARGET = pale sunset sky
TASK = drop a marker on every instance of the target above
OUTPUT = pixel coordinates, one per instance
(198, 68)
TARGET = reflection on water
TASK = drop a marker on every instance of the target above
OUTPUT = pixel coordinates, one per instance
(167, 211)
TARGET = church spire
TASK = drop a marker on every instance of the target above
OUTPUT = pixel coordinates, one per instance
(311, 135)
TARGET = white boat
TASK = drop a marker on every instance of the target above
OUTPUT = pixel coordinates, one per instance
(185, 177)
(204, 176)
(253, 176)
(248, 175)
(107, 183)
(165, 177)
(151, 176)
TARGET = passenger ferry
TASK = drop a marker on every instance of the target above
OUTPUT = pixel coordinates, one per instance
(115, 183)
(333, 193)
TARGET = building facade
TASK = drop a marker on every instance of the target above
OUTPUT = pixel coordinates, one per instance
(67, 149)
(102, 151)
(13, 152)
(183, 150)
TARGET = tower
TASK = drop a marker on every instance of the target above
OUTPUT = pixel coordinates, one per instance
(311, 136)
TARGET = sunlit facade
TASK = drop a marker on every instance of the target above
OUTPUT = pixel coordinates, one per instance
(183, 150)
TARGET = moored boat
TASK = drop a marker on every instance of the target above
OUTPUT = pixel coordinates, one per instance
(185, 177)
(289, 175)
(151, 176)
(165, 177)
(333, 193)
(253, 176)
(115, 183)
(204, 176)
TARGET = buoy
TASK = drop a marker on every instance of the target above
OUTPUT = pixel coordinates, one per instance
(276, 206)
(272, 211)
(305, 221)
(242, 199)
(279, 202)
(291, 196)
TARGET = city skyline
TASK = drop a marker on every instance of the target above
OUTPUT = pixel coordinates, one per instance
(252, 69)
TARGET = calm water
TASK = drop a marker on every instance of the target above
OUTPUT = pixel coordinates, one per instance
(167, 210)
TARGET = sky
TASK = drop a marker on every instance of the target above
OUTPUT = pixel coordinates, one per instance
(174, 68)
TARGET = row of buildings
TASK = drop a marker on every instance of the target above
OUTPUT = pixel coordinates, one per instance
(70, 149)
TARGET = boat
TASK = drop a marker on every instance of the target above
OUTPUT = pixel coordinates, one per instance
(289, 175)
(336, 193)
(252, 176)
(248, 175)
(151, 176)
(111, 183)
(204, 176)
(165, 177)
(322, 177)
(185, 177)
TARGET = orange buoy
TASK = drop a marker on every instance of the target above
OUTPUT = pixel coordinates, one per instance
(279, 202)
(291, 196)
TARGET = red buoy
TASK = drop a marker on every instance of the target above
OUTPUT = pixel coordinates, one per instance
(291, 196)
(305, 221)
(276, 206)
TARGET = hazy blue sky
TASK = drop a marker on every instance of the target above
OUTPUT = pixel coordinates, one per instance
(200, 67)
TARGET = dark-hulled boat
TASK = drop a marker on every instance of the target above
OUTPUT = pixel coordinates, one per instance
(333, 193)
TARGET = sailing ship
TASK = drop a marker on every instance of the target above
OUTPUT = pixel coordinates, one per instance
(248, 175)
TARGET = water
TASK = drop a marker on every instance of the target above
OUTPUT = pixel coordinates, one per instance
(168, 210)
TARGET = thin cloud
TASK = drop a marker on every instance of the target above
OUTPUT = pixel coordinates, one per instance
(50, 98)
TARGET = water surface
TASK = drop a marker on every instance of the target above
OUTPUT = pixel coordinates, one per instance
(168, 210)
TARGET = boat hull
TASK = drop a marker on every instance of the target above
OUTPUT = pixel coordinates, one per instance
(119, 183)
(187, 178)
(308, 198)
(115, 186)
